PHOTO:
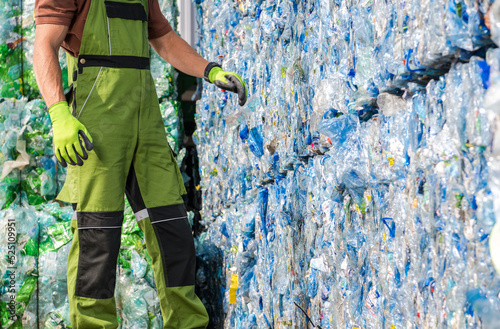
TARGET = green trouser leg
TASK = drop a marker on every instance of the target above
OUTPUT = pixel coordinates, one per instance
(90, 289)
(180, 307)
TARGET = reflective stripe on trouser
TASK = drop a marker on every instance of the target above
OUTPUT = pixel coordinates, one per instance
(117, 103)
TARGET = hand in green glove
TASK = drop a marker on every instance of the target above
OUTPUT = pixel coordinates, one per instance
(69, 133)
(228, 81)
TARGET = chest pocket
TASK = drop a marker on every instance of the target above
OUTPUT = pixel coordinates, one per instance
(127, 28)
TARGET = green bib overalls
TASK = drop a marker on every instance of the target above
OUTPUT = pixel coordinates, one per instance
(114, 96)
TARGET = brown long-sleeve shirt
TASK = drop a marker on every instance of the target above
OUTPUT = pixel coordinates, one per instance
(73, 13)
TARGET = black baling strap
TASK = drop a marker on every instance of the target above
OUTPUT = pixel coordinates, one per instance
(133, 11)
(124, 62)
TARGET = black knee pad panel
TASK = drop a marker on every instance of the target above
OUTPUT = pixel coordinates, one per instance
(99, 236)
(176, 243)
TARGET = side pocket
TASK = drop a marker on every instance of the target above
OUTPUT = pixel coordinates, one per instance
(182, 188)
(74, 102)
(71, 98)
(94, 83)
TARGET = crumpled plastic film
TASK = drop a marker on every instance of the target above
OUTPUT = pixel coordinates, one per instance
(357, 187)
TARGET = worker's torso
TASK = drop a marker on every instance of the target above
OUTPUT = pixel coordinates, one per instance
(113, 63)
(77, 12)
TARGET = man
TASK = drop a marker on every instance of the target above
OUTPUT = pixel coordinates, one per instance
(112, 136)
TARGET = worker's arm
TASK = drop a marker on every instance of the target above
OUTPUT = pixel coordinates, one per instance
(70, 135)
(180, 54)
(183, 57)
(48, 39)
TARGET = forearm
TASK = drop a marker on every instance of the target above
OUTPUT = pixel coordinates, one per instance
(184, 58)
(46, 66)
(180, 54)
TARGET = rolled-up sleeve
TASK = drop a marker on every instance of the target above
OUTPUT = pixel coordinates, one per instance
(60, 12)
(158, 25)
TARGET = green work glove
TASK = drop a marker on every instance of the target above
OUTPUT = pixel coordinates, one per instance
(69, 133)
(227, 81)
